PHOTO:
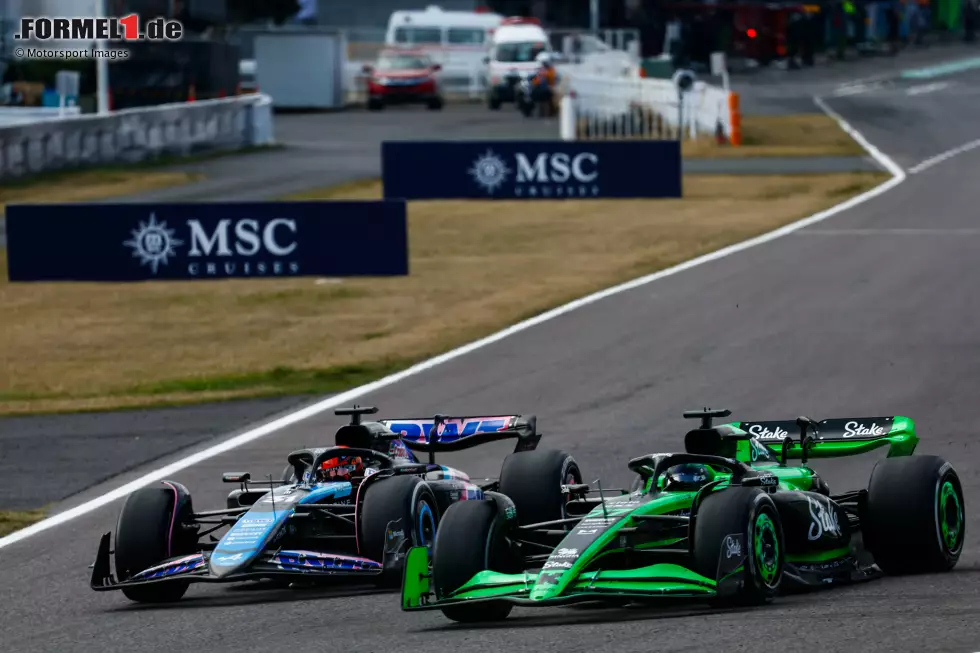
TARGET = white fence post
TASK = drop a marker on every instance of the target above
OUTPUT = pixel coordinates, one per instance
(567, 117)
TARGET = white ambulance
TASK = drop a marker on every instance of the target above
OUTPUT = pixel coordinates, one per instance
(455, 39)
(514, 54)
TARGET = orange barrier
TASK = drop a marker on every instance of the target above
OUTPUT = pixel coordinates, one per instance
(735, 115)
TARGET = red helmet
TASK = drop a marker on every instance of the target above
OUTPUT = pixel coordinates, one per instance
(341, 468)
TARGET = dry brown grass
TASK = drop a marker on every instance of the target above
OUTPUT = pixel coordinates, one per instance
(85, 186)
(84, 346)
(800, 135)
(14, 520)
(775, 136)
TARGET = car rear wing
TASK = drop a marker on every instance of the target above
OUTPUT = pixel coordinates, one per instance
(442, 433)
(832, 438)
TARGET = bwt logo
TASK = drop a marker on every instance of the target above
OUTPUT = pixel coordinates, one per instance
(238, 245)
(554, 174)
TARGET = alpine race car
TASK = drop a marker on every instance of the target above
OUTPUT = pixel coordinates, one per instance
(727, 521)
(348, 510)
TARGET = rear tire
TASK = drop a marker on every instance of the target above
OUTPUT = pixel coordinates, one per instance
(493, 102)
(468, 542)
(751, 513)
(375, 105)
(410, 503)
(149, 532)
(915, 516)
(435, 104)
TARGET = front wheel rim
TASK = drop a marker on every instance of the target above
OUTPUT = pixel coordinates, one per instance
(765, 549)
(425, 524)
(950, 518)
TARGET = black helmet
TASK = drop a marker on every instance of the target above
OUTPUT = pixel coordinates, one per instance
(689, 476)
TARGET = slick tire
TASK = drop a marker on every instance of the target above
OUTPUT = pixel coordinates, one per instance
(470, 540)
(150, 531)
(751, 514)
(533, 480)
(405, 502)
(914, 520)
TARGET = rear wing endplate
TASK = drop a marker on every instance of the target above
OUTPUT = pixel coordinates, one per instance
(832, 438)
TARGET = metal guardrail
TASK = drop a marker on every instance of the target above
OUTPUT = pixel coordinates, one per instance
(134, 135)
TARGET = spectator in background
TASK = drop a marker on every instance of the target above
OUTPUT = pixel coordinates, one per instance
(674, 40)
(891, 15)
(971, 10)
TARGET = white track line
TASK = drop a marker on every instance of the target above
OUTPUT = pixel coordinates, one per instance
(939, 158)
(347, 397)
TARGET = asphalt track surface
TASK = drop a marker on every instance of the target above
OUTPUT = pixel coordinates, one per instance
(872, 312)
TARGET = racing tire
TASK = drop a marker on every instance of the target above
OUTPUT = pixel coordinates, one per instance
(493, 102)
(914, 519)
(148, 532)
(470, 540)
(375, 105)
(533, 480)
(751, 513)
(405, 500)
(435, 105)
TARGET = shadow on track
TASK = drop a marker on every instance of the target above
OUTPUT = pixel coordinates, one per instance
(260, 592)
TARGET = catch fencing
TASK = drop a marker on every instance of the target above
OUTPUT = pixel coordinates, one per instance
(133, 135)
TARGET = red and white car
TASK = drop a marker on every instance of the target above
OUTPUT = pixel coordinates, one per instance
(403, 77)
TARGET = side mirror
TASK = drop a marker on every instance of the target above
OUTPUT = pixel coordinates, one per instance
(367, 69)
(235, 477)
(436, 67)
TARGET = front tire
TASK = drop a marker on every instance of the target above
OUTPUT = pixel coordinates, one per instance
(914, 521)
(468, 542)
(409, 502)
(751, 513)
(435, 104)
(150, 531)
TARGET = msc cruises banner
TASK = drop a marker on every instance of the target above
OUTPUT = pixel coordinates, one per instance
(146, 242)
(421, 170)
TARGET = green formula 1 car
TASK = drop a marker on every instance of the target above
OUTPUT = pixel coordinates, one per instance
(728, 521)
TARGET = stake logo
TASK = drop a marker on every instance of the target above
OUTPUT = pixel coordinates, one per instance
(126, 28)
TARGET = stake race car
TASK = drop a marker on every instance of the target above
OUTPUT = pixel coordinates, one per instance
(728, 521)
(348, 510)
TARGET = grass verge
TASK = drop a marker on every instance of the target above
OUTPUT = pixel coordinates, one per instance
(68, 347)
(798, 135)
(14, 520)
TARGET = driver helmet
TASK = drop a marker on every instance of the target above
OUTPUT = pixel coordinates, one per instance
(341, 468)
(544, 58)
(689, 477)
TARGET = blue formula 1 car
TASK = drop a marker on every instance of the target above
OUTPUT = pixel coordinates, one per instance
(353, 509)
